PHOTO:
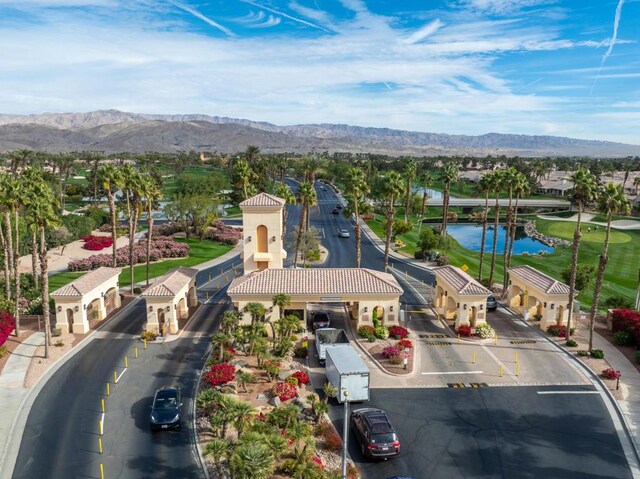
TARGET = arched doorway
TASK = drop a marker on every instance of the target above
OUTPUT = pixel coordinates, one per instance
(94, 311)
(534, 307)
(378, 313)
(439, 297)
(516, 297)
(262, 235)
(560, 315)
(451, 311)
(182, 309)
(110, 300)
(193, 300)
(161, 323)
(70, 320)
(472, 316)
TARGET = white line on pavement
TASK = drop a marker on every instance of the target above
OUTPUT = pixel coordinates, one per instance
(452, 372)
(323, 233)
(568, 392)
(123, 371)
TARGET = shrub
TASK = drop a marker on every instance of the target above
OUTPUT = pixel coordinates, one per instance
(302, 377)
(398, 332)
(381, 332)
(442, 260)
(58, 343)
(617, 302)
(7, 326)
(332, 440)
(464, 330)
(220, 374)
(56, 332)
(571, 343)
(284, 391)
(397, 359)
(3, 351)
(293, 381)
(301, 352)
(404, 343)
(390, 351)
(484, 331)
(622, 338)
(582, 352)
(611, 373)
(559, 331)
(224, 234)
(272, 368)
(366, 331)
(137, 290)
(597, 354)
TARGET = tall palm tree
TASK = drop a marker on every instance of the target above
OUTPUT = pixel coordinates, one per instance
(112, 179)
(410, 169)
(64, 162)
(521, 189)
(133, 194)
(636, 183)
(256, 310)
(283, 191)
(448, 175)
(306, 196)
(245, 175)
(7, 239)
(357, 186)
(509, 181)
(484, 187)
(497, 188)
(311, 165)
(392, 188)
(281, 300)
(152, 195)
(426, 180)
(584, 192)
(611, 199)
(16, 198)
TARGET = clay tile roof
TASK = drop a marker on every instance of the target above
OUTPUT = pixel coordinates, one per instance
(315, 281)
(172, 282)
(539, 280)
(263, 199)
(87, 282)
(461, 281)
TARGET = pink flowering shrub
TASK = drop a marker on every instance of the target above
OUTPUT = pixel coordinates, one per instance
(398, 332)
(302, 377)
(284, 391)
(611, 373)
(7, 325)
(96, 243)
(390, 351)
(224, 234)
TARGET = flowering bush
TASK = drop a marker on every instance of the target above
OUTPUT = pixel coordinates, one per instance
(404, 343)
(330, 438)
(284, 391)
(96, 243)
(220, 374)
(611, 373)
(628, 321)
(366, 331)
(485, 331)
(7, 325)
(302, 377)
(318, 461)
(224, 234)
(390, 351)
(464, 330)
(559, 331)
(398, 332)
(293, 381)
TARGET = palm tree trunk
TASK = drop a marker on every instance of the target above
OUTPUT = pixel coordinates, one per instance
(45, 292)
(407, 197)
(424, 202)
(284, 222)
(514, 226)
(389, 230)
(7, 224)
(16, 270)
(445, 210)
(577, 235)
(602, 265)
(484, 233)
(299, 237)
(150, 224)
(132, 234)
(34, 256)
(507, 236)
(495, 242)
(6, 252)
(357, 233)
(114, 235)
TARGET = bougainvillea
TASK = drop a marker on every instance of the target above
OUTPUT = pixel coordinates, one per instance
(284, 391)
(390, 351)
(302, 377)
(464, 330)
(560, 331)
(398, 332)
(220, 374)
(611, 373)
(96, 243)
(404, 343)
(628, 321)
(7, 326)
(224, 234)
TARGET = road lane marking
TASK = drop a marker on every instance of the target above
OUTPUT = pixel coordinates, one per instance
(123, 371)
(323, 233)
(452, 372)
(568, 392)
(500, 363)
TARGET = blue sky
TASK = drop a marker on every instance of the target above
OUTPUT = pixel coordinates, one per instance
(451, 66)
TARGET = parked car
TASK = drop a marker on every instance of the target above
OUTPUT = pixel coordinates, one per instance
(166, 410)
(375, 433)
(339, 206)
(336, 211)
(492, 304)
(343, 234)
(321, 319)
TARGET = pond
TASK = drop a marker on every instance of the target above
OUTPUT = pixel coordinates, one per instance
(470, 237)
(436, 195)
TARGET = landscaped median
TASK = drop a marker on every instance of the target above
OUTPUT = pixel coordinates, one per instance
(390, 347)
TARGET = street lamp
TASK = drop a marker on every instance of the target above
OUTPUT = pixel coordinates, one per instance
(345, 434)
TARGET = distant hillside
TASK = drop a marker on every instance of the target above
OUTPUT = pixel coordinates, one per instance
(116, 131)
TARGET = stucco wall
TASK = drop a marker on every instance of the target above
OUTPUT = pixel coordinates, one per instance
(252, 218)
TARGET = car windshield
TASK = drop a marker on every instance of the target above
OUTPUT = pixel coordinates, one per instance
(383, 438)
(321, 317)
(166, 400)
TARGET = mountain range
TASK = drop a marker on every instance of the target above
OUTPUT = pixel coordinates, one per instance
(116, 131)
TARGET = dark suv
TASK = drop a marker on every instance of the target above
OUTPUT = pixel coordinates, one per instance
(321, 319)
(166, 408)
(376, 435)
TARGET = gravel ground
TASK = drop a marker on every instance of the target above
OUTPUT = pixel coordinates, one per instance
(39, 364)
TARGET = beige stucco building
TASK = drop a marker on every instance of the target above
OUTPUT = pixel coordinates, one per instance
(537, 295)
(92, 296)
(262, 220)
(168, 300)
(459, 297)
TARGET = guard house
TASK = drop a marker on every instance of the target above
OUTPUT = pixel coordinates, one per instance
(362, 290)
(459, 297)
(169, 298)
(538, 296)
(262, 221)
(92, 296)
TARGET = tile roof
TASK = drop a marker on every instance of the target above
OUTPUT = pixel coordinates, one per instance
(461, 281)
(172, 282)
(263, 199)
(87, 282)
(315, 281)
(539, 280)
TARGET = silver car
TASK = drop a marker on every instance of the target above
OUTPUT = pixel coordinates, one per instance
(343, 234)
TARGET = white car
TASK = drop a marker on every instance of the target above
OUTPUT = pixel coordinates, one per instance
(343, 234)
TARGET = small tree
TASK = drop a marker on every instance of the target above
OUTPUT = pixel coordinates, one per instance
(428, 241)
(584, 275)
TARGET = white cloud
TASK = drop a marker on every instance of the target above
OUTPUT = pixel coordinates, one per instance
(502, 7)
(424, 32)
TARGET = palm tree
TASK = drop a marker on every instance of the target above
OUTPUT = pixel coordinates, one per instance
(497, 188)
(391, 189)
(256, 310)
(521, 189)
(220, 340)
(636, 183)
(133, 185)
(277, 444)
(245, 414)
(509, 181)
(252, 461)
(7, 240)
(16, 197)
(611, 199)
(283, 191)
(152, 195)
(426, 180)
(281, 300)
(357, 186)
(64, 163)
(244, 377)
(245, 175)
(585, 191)
(448, 175)
(484, 187)
(311, 165)
(229, 322)
(251, 154)
(410, 168)
(111, 179)
(217, 449)
(307, 197)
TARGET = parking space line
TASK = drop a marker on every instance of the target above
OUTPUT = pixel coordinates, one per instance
(434, 373)
(568, 392)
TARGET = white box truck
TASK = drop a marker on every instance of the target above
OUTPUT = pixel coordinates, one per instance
(347, 372)
(327, 338)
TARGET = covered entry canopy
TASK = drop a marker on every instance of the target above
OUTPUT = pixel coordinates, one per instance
(538, 296)
(363, 289)
(459, 297)
(169, 298)
(91, 296)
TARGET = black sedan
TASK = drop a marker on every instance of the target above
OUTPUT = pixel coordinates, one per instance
(376, 435)
(166, 410)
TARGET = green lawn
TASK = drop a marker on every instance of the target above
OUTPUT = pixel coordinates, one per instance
(200, 252)
(603, 219)
(233, 211)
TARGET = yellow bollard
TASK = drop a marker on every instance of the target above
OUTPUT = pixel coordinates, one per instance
(501, 370)
(207, 294)
(221, 271)
(458, 339)
(103, 405)
(101, 471)
(209, 277)
(100, 444)
(101, 430)
(226, 277)
(115, 377)
(135, 352)
(126, 362)
(108, 389)
(145, 344)
(515, 357)
(473, 358)
(495, 337)
(518, 369)
(406, 274)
